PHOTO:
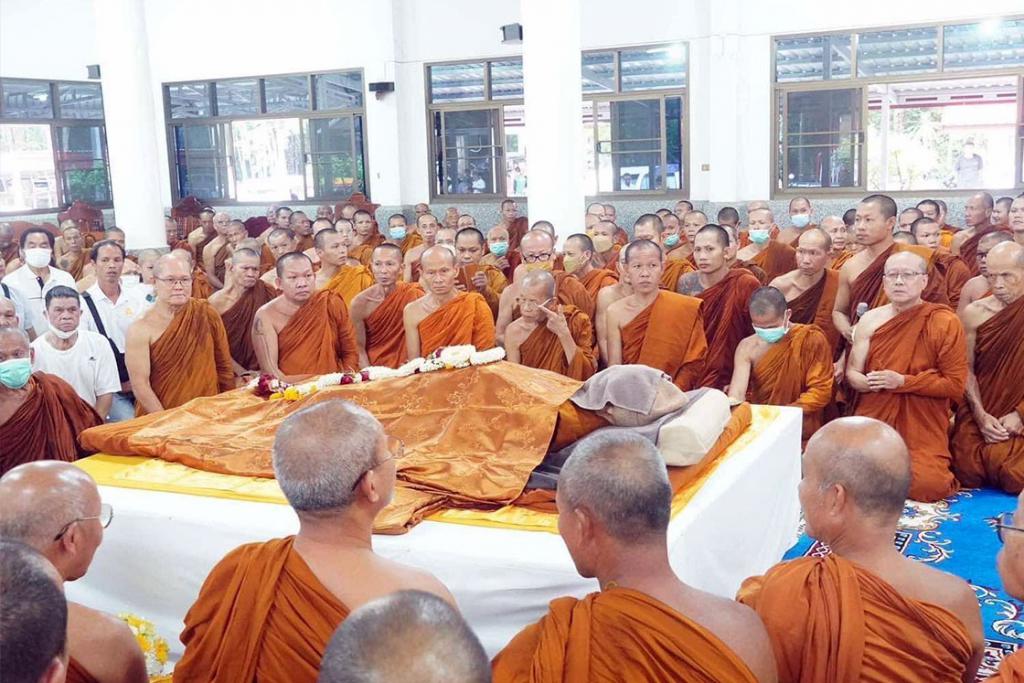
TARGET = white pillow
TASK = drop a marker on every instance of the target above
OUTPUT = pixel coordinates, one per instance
(686, 439)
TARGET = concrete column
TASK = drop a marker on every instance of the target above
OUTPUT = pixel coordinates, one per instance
(553, 103)
(136, 173)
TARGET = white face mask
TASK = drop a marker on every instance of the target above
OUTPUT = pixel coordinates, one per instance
(59, 334)
(37, 258)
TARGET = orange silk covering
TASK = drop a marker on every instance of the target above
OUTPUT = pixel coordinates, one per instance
(673, 270)
(466, 319)
(544, 351)
(796, 371)
(77, 673)
(452, 423)
(261, 615)
(830, 620)
(1011, 669)
(668, 335)
(596, 280)
(999, 367)
(238, 323)
(726, 322)
(46, 425)
(385, 330)
(364, 252)
(814, 307)
(349, 281)
(191, 358)
(925, 344)
(775, 259)
(617, 635)
(318, 338)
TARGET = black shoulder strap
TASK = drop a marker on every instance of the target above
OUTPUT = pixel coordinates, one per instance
(122, 368)
(95, 313)
(7, 290)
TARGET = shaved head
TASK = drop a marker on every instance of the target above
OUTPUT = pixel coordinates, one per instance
(756, 206)
(636, 246)
(906, 259)
(436, 644)
(543, 280)
(729, 215)
(651, 221)
(173, 264)
(815, 238)
(439, 253)
(14, 334)
(581, 242)
(240, 255)
(288, 258)
(990, 240)
(720, 234)
(33, 616)
(40, 497)
(767, 301)
(904, 237)
(1005, 271)
(767, 214)
(885, 204)
(182, 255)
(536, 239)
(984, 198)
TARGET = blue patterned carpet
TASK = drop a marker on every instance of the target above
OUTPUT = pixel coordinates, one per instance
(957, 535)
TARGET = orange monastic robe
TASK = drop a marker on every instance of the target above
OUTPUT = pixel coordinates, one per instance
(867, 287)
(571, 292)
(726, 323)
(796, 371)
(318, 338)
(925, 344)
(76, 267)
(775, 259)
(496, 283)
(77, 673)
(385, 329)
(349, 281)
(596, 280)
(610, 259)
(673, 270)
(267, 260)
(201, 288)
(621, 237)
(261, 615)
(843, 257)
(238, 323)
(466, 319)
(192, 357)
(364, 252)
(46, 425)
(814, 307)
(830, 620)
(411, 241)
(999, 368)
(669, 336)
(1011, 669)
(543, 350)
(969, 248)
(955, 273)
(946, 235)
(617, 635)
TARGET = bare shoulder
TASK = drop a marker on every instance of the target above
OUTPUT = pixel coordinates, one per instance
(689, 284)
(873, 319)
(946, 590)
(745, 346)
(783, 281)
(95, 629)
(413, 578)
(977, 312)
(739, 627)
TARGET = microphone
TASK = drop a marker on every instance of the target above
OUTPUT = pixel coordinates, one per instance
(862, 308)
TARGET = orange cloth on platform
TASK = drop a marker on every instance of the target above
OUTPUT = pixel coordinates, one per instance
(544, 351)
(46, 425)
(191, 358)
(999, 368)
(261, 615)
(673, 270)
(466, 319)
(364, 252)
(969, 248)
(831, 620)
(385, 329)
(814, 307)
(318, 338)
(617, 635)
(238, 323)
(411, 241)
(349, 281)
(77, 673)
(496, 283)
(596, 280)
(1011, 669)
(775, 259)
(925, 344)
(726, 322)
(796, 371)
(669, 336)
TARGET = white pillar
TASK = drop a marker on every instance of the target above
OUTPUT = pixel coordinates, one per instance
(136, 173)
(553, 103)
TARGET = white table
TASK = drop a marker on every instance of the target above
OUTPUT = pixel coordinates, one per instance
(161, 546)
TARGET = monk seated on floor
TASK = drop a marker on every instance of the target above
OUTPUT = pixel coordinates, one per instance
(377, 312)
(782, 363)
(811, 289)
(766, 250)
(907, 364)
(614, 501)
(243, 294)
(578, 259)
(436, 643)
(864, 612)
(1010, 561)
(267, 610)
(55, 508)
(336, 273)
(474, 276)
(978, 287)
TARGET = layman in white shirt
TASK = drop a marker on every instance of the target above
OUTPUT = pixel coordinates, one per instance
(36, 277)
(16, 299)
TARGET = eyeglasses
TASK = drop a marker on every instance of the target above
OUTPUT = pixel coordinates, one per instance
(1005, 521)
(106, 516)
(530, 303)
(533, 258)
(176, 281)
(396, 451)
(897, 277)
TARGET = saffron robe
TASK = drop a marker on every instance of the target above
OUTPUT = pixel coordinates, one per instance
(349, 281)
(385, 331)
(466, 319)
(814, 307)
(669, 335)
(543, 350)
(775, 259)
(318, 339)
(238, 323)
(726, 323)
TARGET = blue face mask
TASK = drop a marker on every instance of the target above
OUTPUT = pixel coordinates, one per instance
(499, 248)
(801, 220)
(771, 334)
(759, 236)
(14, 373)
(671, 240)
(397, 233)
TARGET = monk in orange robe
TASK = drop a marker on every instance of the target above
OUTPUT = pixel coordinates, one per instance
(811, 289)
(377, 312)
(178, 350)
(549, 336)
(907, 364)
(367, 237)
(864, 612)
(267, 610)
(765, 251)
(978, 217)
(243, 294)
(652, 327)
(203, 234)
(427, 227)
(650, 227)
(445, 316)
(302, 334)
(200, 288)
(952, 268)
(400, 235)
(578, 259)
(644, 624)
(988, 435)
(335, 274)
(606, 249)
(76, 258)
(474, 275)
(516, 225)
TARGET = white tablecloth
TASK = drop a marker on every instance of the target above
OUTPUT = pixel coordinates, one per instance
(161, 546)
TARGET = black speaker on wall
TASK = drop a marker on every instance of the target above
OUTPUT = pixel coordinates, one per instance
(382, 87)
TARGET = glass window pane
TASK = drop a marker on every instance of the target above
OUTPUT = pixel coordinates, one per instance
(823, 138)
(339, 91)
(287, 94)
(457, 82)
(599, 72)
(674, 170)
(27, 177)
(268, 160)
(991, 44)
(628, 141)
(80, 100)
(335, 162)
(238, 96)
(81, 157)
(507, 79)
(901, 51)
(470, 153)
(653, 67)
(189, 100)
(201, 161)
(25, 100)
(813, 58)
(515, 150)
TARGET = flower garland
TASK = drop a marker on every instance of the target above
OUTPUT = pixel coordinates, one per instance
(152, 645)
(445, 358)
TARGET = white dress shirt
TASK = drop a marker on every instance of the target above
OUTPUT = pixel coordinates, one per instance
(118, 316)
(34, 293)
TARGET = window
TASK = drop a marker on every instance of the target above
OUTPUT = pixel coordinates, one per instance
(53, 147)
(268, 139)
(913, 109)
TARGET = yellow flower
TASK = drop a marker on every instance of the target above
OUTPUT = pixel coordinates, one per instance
(145, 644)
(292, 394)
(276, 396)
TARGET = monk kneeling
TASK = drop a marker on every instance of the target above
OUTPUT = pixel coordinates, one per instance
(377, 311)
(864, 612)
(645, 624)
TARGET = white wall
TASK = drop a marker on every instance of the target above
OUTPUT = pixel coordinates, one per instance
(47, 39)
